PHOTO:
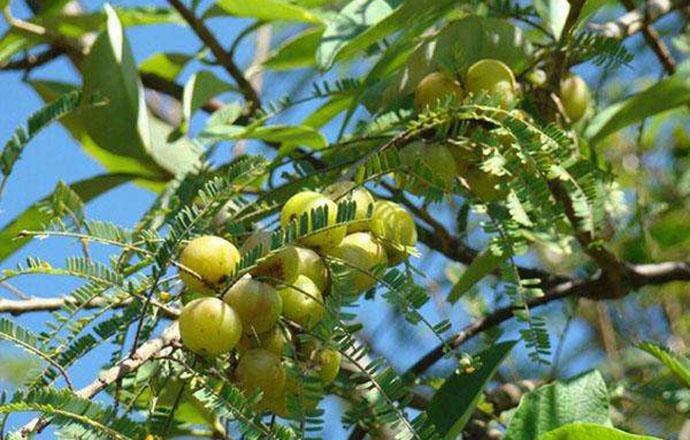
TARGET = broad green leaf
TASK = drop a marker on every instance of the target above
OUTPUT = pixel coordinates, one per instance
(200, 87)
(453, 404)
(121, 126)
(664, 95)
(329, 110)
(114, 163)
(165, 65)
(178, 157)
(353, 19)
(219, 124)
(295, 53)
(589, 431)
(289, 136)
(266, 10)
(679, 365)
(590, 8)
(34, 218)
(554, 14)
(582, 399)
(482, 265)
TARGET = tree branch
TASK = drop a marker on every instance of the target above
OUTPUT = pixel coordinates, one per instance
(634, 21)
(21, 306)
(222, 56)
(32, 61)
(652, 36)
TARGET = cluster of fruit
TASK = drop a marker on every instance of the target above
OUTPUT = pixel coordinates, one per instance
(290, 281)
(462, 159)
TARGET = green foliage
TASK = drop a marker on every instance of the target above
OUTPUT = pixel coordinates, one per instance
(679, 365)
(586, 431)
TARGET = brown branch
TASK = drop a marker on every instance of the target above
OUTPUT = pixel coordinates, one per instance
(21, 306)
(222, 56)
(634, 21)
(652, 37)
(32, 61)
(146, 351)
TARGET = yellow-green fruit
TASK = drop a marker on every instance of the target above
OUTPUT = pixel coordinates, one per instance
(575, 97)
(437, 158)
(328, 362)
(305, 203)
(346, 191)
(395, 227)
(212, 258)
(361, 253)
(434, 89)
(257, 303)
(261, 370)
(273, 340)
(484, 185)
(286, 264)
(209, 327)
(302, 302)
(492, 77)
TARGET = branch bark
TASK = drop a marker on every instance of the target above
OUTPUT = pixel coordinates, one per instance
(33, 304)
(634, 21)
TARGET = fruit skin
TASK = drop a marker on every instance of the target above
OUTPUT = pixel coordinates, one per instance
(575, 97)
(328, 362)
(361, 253)
(261, 370)
(304, 203)
(434, 89)
(395, 227)
(287, 263)
(209, 327)
(435, 156)
(213, 258)
(346, 191)
(302, 302)
(492, 77)
(257, 303)
(273, 340)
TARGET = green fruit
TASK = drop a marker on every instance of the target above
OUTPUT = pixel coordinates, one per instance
(209, 327)
(257, 303)
(434, 89)
(395, 227)
(302, 302)
(492, 77)
(575, 97)
(288, 263)
(361, 253)
(261, 370)
(273, 340)
(210, 257)
(436, 157)
(305, 203)
(484, 185)
(328, 365)
(346, 191)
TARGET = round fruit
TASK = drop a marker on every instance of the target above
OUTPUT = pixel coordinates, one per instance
(210, 257)
(302, 302)
(436, 157)
(395, 227)
(492, 77)
(328, 365)
(257, 303)
(575, 97)
(484, 185)
(261, 370)
(286, 264)
(305, 203)
(434, 89)
(361, 253)
(273, 340)
(209, 327)
(342, 191)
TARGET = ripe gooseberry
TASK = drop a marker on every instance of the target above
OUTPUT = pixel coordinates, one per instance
(261, 370)
(341, 191)
(302, 302)
(575, 97)
(395, 227)
(210, 257)
(307, 202)
(436, 157)
(492, 77)
(257, 303)
(434, 89)
(361, 253)
(209, 327)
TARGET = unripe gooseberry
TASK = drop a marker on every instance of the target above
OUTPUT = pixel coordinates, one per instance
(361, 253)
(435, 89)
(484, 185)
(328, 364)
(302, 302)
(395, 227)
(434, 156)
(261, 370)
(287, 263)
(575, 97)
(209, 327)
(273, 340)
(348, 191)
(492, 77)
(307, 202)
(212, 258)
(257, 303)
